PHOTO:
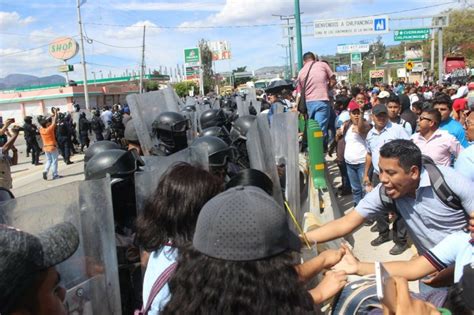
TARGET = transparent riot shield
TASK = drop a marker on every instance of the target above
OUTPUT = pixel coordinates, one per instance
(262, 155)
(242, 107)
(252, 99)
(90, 276)
(190, 101)
(147, 180)
(284, 133)
(145, 108)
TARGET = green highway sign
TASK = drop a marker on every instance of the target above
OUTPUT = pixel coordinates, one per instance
(412, 34)
(396, 61)
(356, 57)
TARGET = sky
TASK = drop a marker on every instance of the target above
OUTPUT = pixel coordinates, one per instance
(113, 30)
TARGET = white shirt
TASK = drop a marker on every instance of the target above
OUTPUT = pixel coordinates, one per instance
(355, 147)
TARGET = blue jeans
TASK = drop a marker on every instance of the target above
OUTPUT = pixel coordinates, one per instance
(51, 161)
(319, 111)
(355, 172)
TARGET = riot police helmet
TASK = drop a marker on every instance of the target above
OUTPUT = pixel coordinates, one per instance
(130, 133)
(28, 119)
(241, 127)
(216, 131)
(219, 152)
(117, 163)
(171, 122)
(189, 108)
(97, 147)
(211, 118)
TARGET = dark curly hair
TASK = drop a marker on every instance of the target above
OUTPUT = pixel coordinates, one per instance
(205, 285)
(171, 213)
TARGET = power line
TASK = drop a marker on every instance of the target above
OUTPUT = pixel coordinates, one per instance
(190, 27)
(115, 46)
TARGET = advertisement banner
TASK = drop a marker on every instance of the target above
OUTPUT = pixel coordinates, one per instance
(220, 49)
(377, 74)
(192, 56)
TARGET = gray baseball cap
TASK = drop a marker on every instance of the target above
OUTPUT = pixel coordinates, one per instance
(23, 254)
(379, 109)
(243, 224)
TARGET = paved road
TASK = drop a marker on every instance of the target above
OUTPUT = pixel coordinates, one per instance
(28, 178)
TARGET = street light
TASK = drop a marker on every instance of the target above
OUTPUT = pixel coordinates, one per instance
(93, 73)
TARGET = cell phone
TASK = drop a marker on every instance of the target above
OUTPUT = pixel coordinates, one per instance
(386, 287)
(12, 119)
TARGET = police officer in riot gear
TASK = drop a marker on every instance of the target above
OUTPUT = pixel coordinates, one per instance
(98, 147)
(212, 117)
(63, 136)
(220, 156)
(117, 127)
(31, 132)
(238, 136)
(216, 131)
(121, 166)
(170, 128)
(97, 126)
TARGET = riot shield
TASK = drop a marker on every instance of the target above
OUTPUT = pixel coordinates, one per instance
(147, 180)
(252, 99)
(284, 133)
(90, 276)
(242, 107)
(262, 155)
(145, 108)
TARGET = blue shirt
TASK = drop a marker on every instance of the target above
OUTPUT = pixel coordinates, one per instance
(375, 140)
(454, 249)
(428, 219)
(343, 117)
(465, 163)
(455, 128)
(157, 263)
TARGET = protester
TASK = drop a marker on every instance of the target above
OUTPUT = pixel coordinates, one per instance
(405, 181)
(438, 144)
(5, 160)
(48, 135)
(29, 281)
(443, 104)
(168, 222)
(320, 78)
(465, 161)
(242, 237)
(352, 146)
(383, 132)
(393, 109)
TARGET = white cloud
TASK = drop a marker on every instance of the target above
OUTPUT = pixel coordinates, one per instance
(260, 11)
(134, 31)
(168, 6)
(11, 20)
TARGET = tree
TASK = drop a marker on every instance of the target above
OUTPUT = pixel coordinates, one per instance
(183, 88)
(238, 81)
(206, 64)
(458, 37)
(151, 85)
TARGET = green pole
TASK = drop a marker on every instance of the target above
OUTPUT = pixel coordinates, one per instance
(299, 46)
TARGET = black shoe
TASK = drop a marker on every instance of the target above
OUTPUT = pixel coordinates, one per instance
(69, 162)
(45, 176)
(57, 177)
(398, 249)
(369, 222)
(374, 228)
(380, 240)
(344, 192)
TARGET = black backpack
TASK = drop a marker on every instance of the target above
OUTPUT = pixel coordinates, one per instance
(441, 188)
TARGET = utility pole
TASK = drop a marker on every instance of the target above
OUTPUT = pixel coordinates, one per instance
(299, 46)
(440, 55)
(142, 69)
(83, 57)
(432, 53)
(291, 41)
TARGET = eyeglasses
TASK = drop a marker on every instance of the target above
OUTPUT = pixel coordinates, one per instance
(424, 118)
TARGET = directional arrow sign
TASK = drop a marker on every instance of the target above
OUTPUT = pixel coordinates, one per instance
(412, 34)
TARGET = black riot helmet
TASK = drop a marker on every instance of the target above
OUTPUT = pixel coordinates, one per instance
(28, 119)
(170, 128)
(97, 147)
(241, 126)
(130, 133)
(189, 108)
(219, 152)
(216, 131)
(170, 121)
(211, 118)
(96, 112)
(117, 163)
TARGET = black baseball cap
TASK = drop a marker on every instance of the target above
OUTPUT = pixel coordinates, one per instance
(23, 254)
(243, 224)
(379, 109)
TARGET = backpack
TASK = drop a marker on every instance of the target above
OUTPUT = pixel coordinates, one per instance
(441, 188)
(96, 124)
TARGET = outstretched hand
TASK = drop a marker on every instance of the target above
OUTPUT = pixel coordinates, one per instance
(405, 304)
(349, 263)
(332, 256)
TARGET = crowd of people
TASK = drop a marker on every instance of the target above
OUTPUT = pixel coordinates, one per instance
(218, 240)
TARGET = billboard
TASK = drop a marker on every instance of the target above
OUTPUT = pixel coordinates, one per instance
(220, 49)
(377, 74)
(192, 56)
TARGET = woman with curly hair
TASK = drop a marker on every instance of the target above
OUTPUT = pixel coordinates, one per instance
(168, 222)
(240, 261)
